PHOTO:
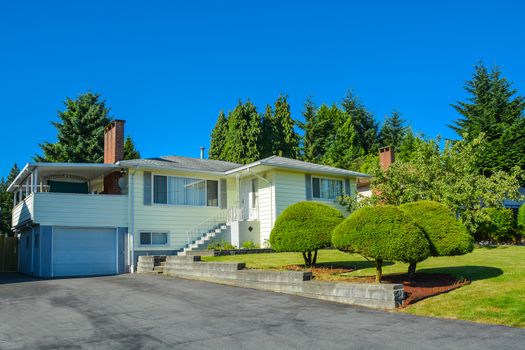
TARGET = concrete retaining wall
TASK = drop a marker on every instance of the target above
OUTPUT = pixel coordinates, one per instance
(384, 296)
(145, 264)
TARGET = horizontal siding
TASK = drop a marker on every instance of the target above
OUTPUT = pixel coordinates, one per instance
(266, 208)
(23, 211)
(87, 210)
(289, 189)
(177, 220)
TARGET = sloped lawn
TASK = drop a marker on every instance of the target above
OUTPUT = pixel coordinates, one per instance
(496, 294)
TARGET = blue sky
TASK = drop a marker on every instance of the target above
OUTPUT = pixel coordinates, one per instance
(169, 67)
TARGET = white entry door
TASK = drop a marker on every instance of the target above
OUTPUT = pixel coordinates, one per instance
(84, 251)
(248, 199)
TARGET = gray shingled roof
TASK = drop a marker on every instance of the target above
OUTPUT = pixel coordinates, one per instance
(209, 165)
(287, 163)
(185, 163)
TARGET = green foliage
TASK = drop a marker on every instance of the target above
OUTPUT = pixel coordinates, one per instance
(447, 236)
(243, 139)
(284, 139)
(339, 145)
(304, 227)
(393, 130)
(130, 152)
(498, 227)
(6, 201)
(382, 233)
(221, 245)
(496, 111)
(80, 132)
(448, 176)
(250, 245)
(365, 125)
(218, 137)
(521, 219)
(309, 138)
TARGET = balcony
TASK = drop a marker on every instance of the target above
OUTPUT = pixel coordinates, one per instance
(71, 209)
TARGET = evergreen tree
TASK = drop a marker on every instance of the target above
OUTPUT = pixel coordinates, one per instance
(267, 132)
(285, 141)
(243, 144)
(340, 151)
(219, 135)
(494, 110)
(365, 126)
(6, 200)
(393, 130)
(80, 132)
(130, 152)
(309, 137)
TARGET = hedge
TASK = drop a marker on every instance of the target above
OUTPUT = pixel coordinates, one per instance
(305, 227)
(521, 219)
(500, 226)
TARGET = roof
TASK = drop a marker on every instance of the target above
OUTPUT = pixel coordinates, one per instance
(182, 163)
(294, 164)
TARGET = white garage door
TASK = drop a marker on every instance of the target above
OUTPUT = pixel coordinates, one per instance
(84, 252)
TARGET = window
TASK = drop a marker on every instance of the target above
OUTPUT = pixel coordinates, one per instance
(185, 191)
(153, 238)
(326, 188)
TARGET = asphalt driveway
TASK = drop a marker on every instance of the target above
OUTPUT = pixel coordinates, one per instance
(154, 312)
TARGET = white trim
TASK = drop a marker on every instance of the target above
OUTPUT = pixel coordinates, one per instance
(326, 178)
(151, 232)
(116, 248)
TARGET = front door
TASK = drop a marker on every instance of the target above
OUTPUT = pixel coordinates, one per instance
(248, 199)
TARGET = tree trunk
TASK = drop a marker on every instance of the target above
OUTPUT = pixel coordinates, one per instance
(314, 261)
(379, 270)
(307, 256)
(411, 270)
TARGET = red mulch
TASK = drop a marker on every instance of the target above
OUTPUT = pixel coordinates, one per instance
(424, 285)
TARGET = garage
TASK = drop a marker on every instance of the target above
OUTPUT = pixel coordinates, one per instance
(84, 251)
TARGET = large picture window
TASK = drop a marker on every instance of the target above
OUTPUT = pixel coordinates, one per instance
(185, 191)
(328, 189)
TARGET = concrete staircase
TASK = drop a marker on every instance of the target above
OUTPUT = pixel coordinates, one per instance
(202, 242)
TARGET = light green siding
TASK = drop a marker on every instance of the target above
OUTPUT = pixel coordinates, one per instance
(176, 220)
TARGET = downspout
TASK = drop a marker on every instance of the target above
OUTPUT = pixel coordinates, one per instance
(131, 219)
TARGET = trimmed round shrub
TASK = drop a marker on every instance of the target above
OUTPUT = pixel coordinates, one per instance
(500, 226)
(447, 235)
(305, 227)
(382, 233)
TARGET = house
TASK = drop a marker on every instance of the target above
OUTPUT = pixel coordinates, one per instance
(96, 219)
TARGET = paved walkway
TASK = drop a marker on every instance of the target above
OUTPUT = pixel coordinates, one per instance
(151, 312)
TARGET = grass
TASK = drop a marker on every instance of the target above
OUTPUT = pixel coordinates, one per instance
(496, 294)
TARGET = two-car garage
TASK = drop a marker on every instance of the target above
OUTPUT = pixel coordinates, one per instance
(47, 251)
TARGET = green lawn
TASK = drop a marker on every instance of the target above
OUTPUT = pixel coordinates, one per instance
(496, 294)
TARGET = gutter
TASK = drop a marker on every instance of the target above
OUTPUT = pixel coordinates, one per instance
(131, 219)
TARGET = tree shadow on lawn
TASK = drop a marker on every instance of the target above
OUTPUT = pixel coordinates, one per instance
(472, 273)
(355, 265)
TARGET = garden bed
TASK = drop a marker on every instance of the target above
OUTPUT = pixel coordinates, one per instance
(424, 285)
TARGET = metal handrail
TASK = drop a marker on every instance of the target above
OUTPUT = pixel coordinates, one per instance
(206, 225)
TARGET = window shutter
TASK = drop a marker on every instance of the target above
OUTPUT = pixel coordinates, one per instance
(147, 188)
(348, 190)
(308, 186)
(223, 199)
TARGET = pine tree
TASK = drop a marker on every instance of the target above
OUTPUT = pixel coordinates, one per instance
(219, 135)
(80, 132)
(267, 134)
(130, 152)
(285, 141)
(495, 110)
(393, 130)
(243, 144)
(340, 151)
(6, 200)
(308, 139)
(365, 126)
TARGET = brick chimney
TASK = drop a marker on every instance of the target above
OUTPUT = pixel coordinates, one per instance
(114, 142)
(113, 152)
(386, 157)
